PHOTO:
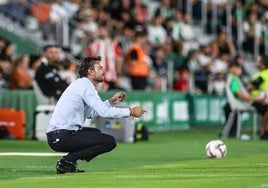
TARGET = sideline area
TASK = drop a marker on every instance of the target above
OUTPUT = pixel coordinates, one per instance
(46, 154)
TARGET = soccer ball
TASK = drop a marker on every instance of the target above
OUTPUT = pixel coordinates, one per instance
(216, 149)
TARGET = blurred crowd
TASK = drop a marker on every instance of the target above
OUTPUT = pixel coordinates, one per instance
(143, 43)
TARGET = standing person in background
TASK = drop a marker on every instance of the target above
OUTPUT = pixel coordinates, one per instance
(103, 46)
(47, 75)
(259, 84)
(20, 77)
(137, 62)
(65, 132)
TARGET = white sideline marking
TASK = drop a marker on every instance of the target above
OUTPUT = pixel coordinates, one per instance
(30, 154)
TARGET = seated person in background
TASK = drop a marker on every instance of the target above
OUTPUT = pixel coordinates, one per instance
(2, 81)
(47, 75)
(20, 78)
(259, 84)
(236, 92)
(5, 67)
(35, 62)
(65, 71)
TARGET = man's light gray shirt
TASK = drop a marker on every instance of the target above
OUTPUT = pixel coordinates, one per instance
(80, 101)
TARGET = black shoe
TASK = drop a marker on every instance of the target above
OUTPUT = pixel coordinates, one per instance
(64, 166)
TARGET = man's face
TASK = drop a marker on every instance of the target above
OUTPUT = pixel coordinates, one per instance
(236, 70)
(98, 72)
(52, 54)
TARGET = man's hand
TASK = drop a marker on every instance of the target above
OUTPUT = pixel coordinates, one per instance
(118, 97)
(137, 111)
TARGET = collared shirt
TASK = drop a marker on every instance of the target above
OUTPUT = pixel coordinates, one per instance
(80, 101)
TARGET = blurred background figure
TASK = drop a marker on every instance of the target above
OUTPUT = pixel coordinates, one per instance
(47, 74)
(34, 63)
(20, 77)
(66, 72)
(138, 64)
(103, 46)
(5, 67)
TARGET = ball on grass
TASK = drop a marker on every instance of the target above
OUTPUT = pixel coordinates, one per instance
(216, 149)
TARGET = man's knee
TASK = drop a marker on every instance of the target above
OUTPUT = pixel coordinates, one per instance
(110, 143)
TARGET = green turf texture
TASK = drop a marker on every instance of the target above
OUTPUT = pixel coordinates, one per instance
(167, 160)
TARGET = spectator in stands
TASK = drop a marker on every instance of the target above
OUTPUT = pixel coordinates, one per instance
(122, 14)
(252, 28)
(218, 70)
(2, 45)
(58, 17)
(85, 27)
(203, 75)
(158, 75)
(260, 83)
(188, 34)
(218, 85)
(65, 71)
(5, 66)
(138, 65)
(179, 57)
(41, 11)
(220, 64)
(139, 11)
(157, 35)
(103, 46)
(20, 77)
(71, 7)
(119, 58)
(2, 80)
(223, 45)
(34, 63)
(127, 38)
(175, 58)
(47, 75)
(8, 51)
(192, 65)
(166, 9)
(17, 9)
(177, 26)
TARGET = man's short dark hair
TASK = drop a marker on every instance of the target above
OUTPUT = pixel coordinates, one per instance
(85, 64)
(46, 47)
(234, 64)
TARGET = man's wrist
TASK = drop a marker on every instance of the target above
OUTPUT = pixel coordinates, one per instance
(110, 101)
(130, 111)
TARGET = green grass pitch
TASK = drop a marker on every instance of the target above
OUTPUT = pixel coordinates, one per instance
(167, 160)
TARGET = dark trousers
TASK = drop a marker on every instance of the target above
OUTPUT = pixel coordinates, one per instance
(84, 144)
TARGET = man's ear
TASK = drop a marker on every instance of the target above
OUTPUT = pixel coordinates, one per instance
(90, 72)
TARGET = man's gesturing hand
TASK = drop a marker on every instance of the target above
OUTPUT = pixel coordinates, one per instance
(118, 97)
(137, 111)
